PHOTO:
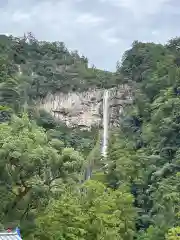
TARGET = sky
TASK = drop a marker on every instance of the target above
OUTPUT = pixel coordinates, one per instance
(100, 29)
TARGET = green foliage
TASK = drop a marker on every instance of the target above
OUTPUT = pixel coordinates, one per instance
(31, 166)
(99, 214)
(137, 194)
(144, 153)
(46, 68)
(173, 234)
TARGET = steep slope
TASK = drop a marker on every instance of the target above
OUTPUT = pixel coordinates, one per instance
(36, 76)
(144, 152)
(138, 196)
(52, 66)
(52, 78)
(84, 109)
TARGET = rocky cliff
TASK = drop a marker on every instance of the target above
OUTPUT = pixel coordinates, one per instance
(84, 109)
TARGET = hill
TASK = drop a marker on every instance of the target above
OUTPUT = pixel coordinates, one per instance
(137, 194)
(50, 66)
(32, 69)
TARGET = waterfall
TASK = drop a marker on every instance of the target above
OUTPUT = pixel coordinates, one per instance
(88, 171)
(105, 122)
(19, 67)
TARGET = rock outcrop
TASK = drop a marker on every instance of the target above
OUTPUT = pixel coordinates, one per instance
(84, 109)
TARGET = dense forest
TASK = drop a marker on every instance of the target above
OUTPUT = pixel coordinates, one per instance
(42, 161)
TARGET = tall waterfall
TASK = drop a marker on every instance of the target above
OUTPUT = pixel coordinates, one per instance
(105, 122)
(88, 171)
(19, 68)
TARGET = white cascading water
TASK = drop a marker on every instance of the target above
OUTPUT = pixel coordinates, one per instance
(19, 67)
(105, 122)
(88, 171)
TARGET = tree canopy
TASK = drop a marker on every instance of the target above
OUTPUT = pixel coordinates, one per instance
(42, 162)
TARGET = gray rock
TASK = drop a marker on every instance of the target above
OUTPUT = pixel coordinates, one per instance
(85, 108)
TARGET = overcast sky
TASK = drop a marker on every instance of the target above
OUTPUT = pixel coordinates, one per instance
(100, 29)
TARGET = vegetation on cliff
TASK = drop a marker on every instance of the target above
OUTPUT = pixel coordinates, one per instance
(41, 160)
(145, 152)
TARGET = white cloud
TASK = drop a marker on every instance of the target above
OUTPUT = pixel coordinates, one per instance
(154, 32)
(139, 8)
(109, 36)
(20, 16)
(90, 19)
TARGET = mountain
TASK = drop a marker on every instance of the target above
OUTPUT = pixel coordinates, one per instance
(48, 71)
(56, 113)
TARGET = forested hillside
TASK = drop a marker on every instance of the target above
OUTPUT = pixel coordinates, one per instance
(42, 161)
(45, 68)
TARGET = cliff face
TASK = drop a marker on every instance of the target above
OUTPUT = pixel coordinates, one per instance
(85, 109)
